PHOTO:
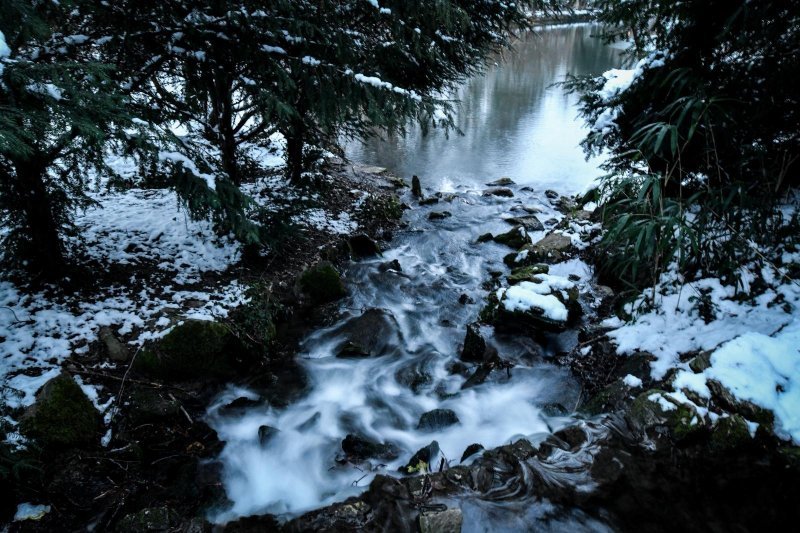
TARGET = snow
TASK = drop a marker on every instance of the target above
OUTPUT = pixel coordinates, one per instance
(30, 511)
(537, 297)
(632, 381)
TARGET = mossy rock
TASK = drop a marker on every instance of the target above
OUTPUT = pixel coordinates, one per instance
(516, 237)
(611, 398)
(322, 284)
(730, 433)
(62, 417)
(196, 349)
(681, 420)
(527, 273)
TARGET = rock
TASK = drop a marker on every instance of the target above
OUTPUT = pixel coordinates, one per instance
(421, 461)
(516, 238)
(115, 350)
(725, 399)
(465, 299)
(362, 246)
(527, 273)
(486, 237)
(439, 215)
(530, 223)
(502, 182)
(62, 416)
(499, 191)
(474, 345)
(729, 434)
(448, 521)
(416, 187)
(239, 406)
(701, 362)
(429, 201)
(358, 449)
(611, 398)
(196, 349)
(369, 334)
(653, 409)
(265, 523)
(551, 194)
(437, 419)
(150, 406)
(322, 284)
(413, 376)
(471, 450)
(149, 519)
(573, 436)
(390, 265)
(265, 433)
(553, 248)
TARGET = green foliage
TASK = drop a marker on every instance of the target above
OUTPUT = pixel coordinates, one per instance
(62, 417)
(703, 143)
(381, 207)
(322, 283)
(254, 322)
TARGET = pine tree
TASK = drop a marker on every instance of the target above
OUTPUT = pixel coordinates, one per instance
(59, 110)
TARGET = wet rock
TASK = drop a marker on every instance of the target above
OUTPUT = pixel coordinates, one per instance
(653, 410)
(115, 349)
(413, 376)
(429, 201)
(471, 450)
(196, 349)
(551, 194)
(474, 345)
(390, 265)
(358, 449)
(265, 434)
(530, 223)
(421, 461)
(480, 375)
(416, 187)
(554, 409)
(437, 419)
(729, 434)
(701, 362)
(573, 436)
(149, 519)
(255, 524)
(486, 237)
(148, 406)
(502, 182)
(465, 299)
(636, 364)
(62, 416)
(322, 284)
(239, 405)
(499, 191)
(611, 398)
(527, 273)
(516, 238)
(439, 215)
(369, 334)
(448, 521)
(362, 246)
(554, 248)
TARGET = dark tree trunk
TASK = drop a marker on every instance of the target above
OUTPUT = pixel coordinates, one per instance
(294, 154)
(46, 252)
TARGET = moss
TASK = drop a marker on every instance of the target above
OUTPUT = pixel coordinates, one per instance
(729, 434)
(527, 273)
(196, 349)
(608, 399)
(382, 207)
(322, 283)
(62, 417)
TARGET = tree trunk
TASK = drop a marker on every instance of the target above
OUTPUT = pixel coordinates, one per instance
(46, 252)
(295, 139)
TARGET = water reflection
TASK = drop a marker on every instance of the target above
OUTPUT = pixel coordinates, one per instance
(515, 122)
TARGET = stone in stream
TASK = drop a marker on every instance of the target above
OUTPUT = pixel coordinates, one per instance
(515, 238)
(416, 187)
(429, 201)
(421, 461)
(449, 521)
(499, 191)
(502, 182)
(358, 449)
(474, 345)
(265, 434)
(465, 299)
(530, 223)
(368, 334)
(471, 450)
(437, 419)
(362, 246)
(553, 248)
(551, 194)
(486, 237)
(390, 265)
(439, 215)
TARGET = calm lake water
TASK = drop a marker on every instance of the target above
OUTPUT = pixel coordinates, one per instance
(515, 121)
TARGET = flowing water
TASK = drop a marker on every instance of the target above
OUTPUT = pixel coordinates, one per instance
(515, 124)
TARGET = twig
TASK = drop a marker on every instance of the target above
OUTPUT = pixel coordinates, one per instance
(16, 318)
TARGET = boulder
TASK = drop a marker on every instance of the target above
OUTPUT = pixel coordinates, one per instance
(196, 349)
(653, 409)
(551, 194)
(414, 376)
(471, 450)
(486, 237)
(368, 335)
(265, 434)
(439, 215)
(530, 223)
(474, 349)
(322, 284)
(416, 187)
(516, 238)
(358, 449)
(527, 273)
(448, 521)
(62, 416)
(502, 182)
(729, 434)
(362, 246)
(465, 299)
(499, 191)
(429, 201)
(115, 349)
(421, 461)
(151, 406)
(437, 419)
(390, 265)
(553, 248)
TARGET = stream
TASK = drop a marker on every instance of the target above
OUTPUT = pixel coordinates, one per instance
(515, 124)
